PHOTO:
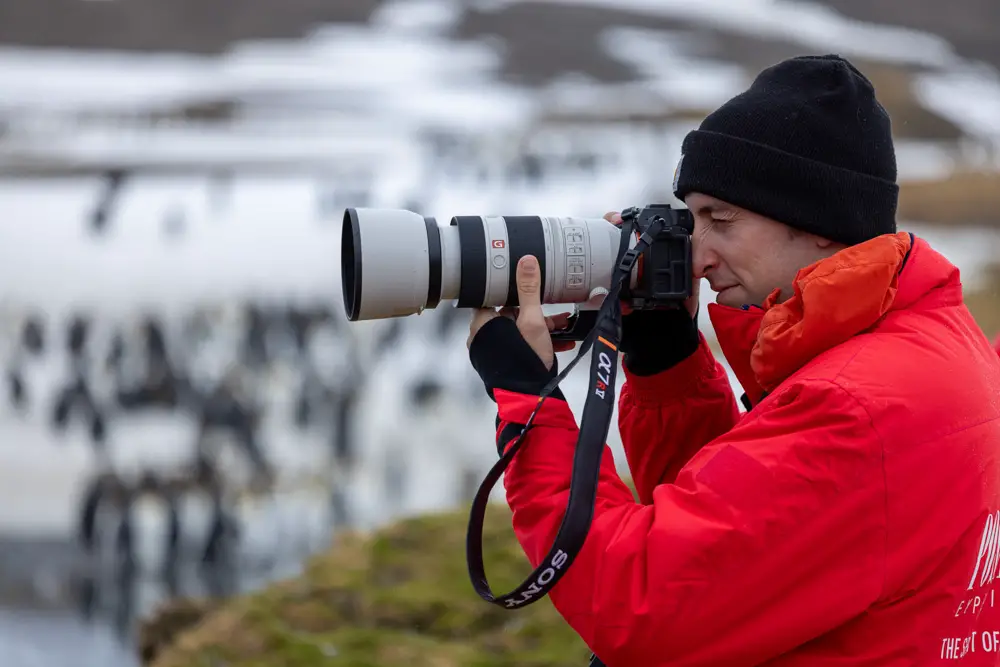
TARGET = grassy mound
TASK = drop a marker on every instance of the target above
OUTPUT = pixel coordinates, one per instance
(963, 198)
(401, 596)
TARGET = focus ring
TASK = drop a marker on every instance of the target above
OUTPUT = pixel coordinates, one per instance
(525, 237)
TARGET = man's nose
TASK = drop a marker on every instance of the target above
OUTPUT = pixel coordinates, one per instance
(703, 258)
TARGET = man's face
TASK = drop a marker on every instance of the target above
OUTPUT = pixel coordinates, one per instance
(745, 256)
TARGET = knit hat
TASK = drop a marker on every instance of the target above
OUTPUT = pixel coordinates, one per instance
(807, 145)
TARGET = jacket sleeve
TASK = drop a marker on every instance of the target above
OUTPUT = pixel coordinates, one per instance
(664, 419)
(773, 534)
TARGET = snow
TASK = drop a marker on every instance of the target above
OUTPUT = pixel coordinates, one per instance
(680, 79)
(378, 67)
(51, 79)
(969, 97)
(422, 16)
(387, 83)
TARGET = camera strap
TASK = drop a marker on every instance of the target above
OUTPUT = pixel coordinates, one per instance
(597, 414)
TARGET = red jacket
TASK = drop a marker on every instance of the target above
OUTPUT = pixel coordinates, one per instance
(851, 517)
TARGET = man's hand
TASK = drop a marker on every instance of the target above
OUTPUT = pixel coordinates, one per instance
(691, 303)
(531, 321)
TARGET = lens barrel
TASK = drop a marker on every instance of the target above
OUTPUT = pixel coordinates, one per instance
(397, 263)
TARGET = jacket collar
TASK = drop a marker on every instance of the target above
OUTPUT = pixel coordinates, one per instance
(833, 300)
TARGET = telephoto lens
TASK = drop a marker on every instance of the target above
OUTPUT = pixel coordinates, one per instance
(396, 263)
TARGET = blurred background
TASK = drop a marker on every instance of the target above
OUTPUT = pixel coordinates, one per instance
(184, 409)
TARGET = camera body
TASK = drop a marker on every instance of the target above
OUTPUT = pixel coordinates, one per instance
(662, 272)
(665, 267)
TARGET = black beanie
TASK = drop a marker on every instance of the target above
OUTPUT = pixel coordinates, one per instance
(807, 145)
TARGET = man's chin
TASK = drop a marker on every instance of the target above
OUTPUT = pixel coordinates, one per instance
(732, 296)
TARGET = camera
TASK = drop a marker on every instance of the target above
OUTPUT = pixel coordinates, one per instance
(663, 271)
(396, 262)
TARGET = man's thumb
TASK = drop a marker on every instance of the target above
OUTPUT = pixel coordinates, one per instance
(529, 282)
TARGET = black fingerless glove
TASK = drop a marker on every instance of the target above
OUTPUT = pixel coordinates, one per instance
(504, 360)
(656, 340)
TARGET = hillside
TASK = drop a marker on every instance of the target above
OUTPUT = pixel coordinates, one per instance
(399, 597)
(210, 26)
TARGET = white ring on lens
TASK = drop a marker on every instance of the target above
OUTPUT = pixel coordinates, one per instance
(497, 260)
(550, 293)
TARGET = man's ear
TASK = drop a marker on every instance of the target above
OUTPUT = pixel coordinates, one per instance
(827, 244)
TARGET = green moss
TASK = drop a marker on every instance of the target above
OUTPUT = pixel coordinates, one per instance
(401, 596)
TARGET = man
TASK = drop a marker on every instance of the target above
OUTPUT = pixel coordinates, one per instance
(852, 515)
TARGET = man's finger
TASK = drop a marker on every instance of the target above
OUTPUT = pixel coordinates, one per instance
(529, 283)
(557, 321)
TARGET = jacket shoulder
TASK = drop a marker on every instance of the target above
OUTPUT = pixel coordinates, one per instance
(919, 382)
